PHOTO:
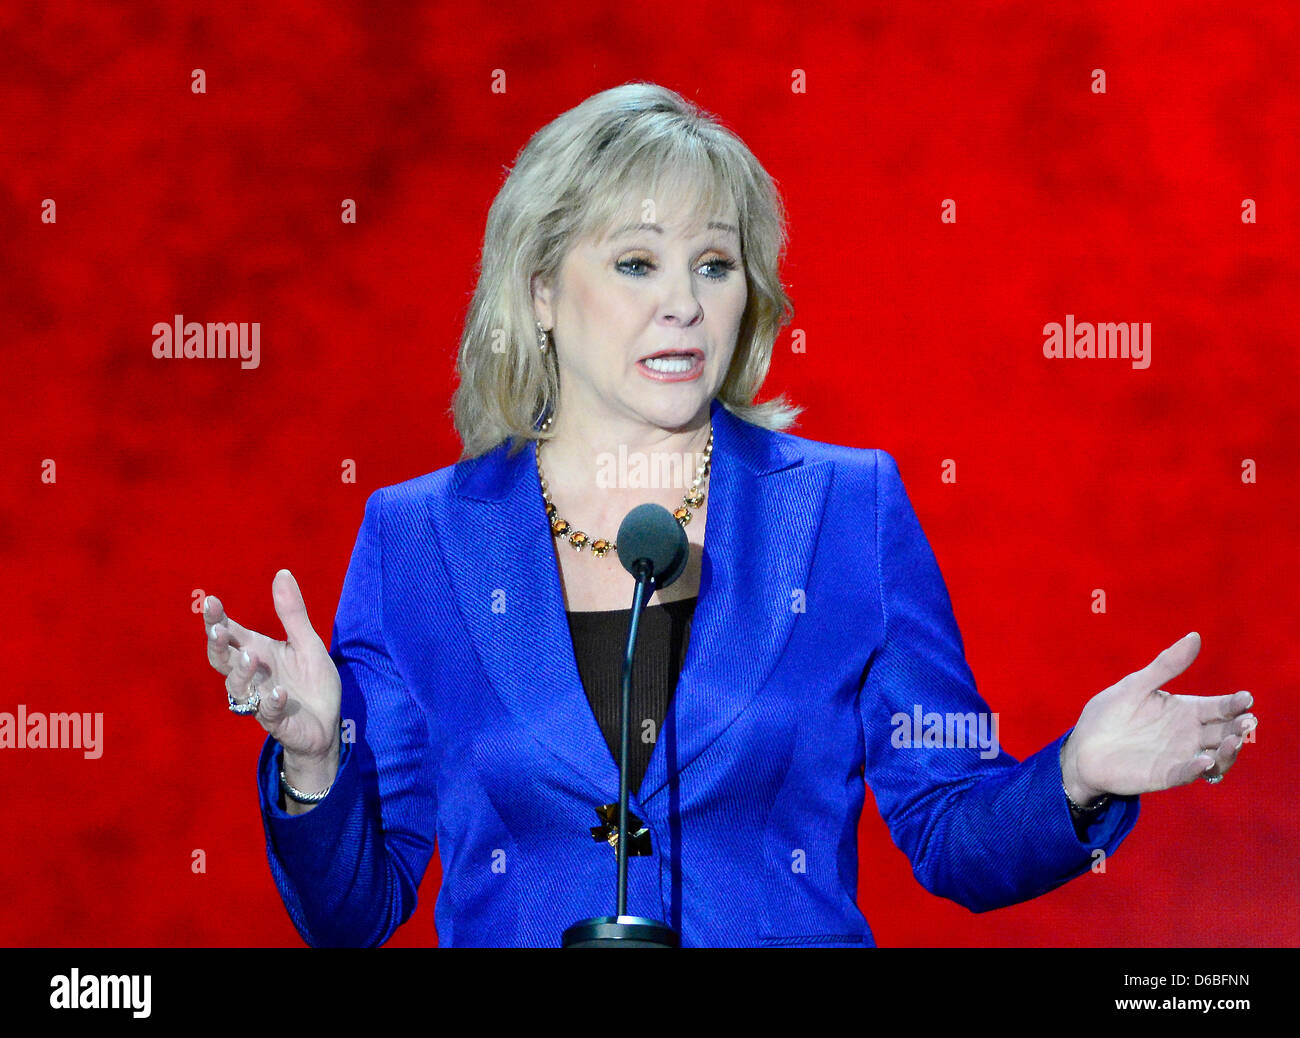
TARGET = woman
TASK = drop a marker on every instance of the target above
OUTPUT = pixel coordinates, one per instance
(625, 313)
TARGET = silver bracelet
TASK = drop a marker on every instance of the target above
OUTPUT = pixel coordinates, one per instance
(309, 798)
(1105, 797)
(299, 795)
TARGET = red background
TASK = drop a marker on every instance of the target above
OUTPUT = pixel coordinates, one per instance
(177, 479)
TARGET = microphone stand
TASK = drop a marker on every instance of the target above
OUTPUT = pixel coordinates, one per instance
(623, 930)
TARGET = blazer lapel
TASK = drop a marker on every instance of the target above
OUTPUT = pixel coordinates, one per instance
(497, 548)
(764, 507)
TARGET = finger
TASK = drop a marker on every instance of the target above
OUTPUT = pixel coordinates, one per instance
(271, 709)
(238, 678)
(220, 652)
(1192, 769)
(1223, 708)
(1170, 663)
(292, 611)
(213, 610)
(1225, 757)
(1213, 734)
(239, 635)
(227, 639)
(247, 666)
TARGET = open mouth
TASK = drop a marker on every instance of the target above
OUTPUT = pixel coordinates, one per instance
(673, 365)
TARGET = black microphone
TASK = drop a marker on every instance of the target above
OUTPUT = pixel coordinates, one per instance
(649, 535)
(652, 546)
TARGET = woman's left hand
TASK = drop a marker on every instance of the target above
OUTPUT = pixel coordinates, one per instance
(1136, 738)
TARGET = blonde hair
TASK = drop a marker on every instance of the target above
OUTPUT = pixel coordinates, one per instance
(568, 182)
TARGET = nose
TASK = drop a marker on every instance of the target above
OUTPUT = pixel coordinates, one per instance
(681, 304)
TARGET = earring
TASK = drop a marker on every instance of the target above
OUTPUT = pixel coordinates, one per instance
(541, 337)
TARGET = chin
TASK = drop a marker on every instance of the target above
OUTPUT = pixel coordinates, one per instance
(678, 413)
(669, 405)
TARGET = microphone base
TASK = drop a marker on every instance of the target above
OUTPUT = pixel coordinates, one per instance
(620, 931)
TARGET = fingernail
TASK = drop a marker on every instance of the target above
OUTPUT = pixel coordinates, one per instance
(245, 658)
(1250, 700)
(207, 602)
(275, 693)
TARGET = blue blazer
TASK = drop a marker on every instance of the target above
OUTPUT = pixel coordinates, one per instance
(822, 622)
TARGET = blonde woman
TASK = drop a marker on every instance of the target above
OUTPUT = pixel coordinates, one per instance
(626, 308)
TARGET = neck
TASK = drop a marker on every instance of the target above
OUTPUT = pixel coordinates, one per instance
(599, 464)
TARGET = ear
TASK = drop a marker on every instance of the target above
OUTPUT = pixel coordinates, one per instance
(542, 301)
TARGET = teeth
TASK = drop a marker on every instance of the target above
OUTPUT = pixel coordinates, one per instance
(670, 365)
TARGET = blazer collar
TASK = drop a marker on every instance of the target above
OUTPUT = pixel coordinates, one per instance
(765, 506)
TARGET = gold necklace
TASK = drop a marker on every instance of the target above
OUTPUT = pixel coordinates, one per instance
(601, 546)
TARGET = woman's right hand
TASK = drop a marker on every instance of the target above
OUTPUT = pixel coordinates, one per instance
(300, 687)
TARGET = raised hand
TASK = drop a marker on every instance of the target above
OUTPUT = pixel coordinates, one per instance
(1134, 737)
(301, 693)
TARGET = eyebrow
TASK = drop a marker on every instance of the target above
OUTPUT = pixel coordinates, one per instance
(630, 228)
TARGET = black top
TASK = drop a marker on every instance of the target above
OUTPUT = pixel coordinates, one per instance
(598, 641)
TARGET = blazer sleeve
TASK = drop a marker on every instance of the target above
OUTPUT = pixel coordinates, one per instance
(349, 869)
(979, 828)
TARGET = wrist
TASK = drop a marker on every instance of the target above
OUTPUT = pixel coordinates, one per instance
(1081, 795)
(309, 772)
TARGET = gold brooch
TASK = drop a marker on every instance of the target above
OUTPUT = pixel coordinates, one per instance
(639, 844)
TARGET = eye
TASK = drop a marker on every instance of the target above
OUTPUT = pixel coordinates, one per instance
(622, 265)
(725, 267)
